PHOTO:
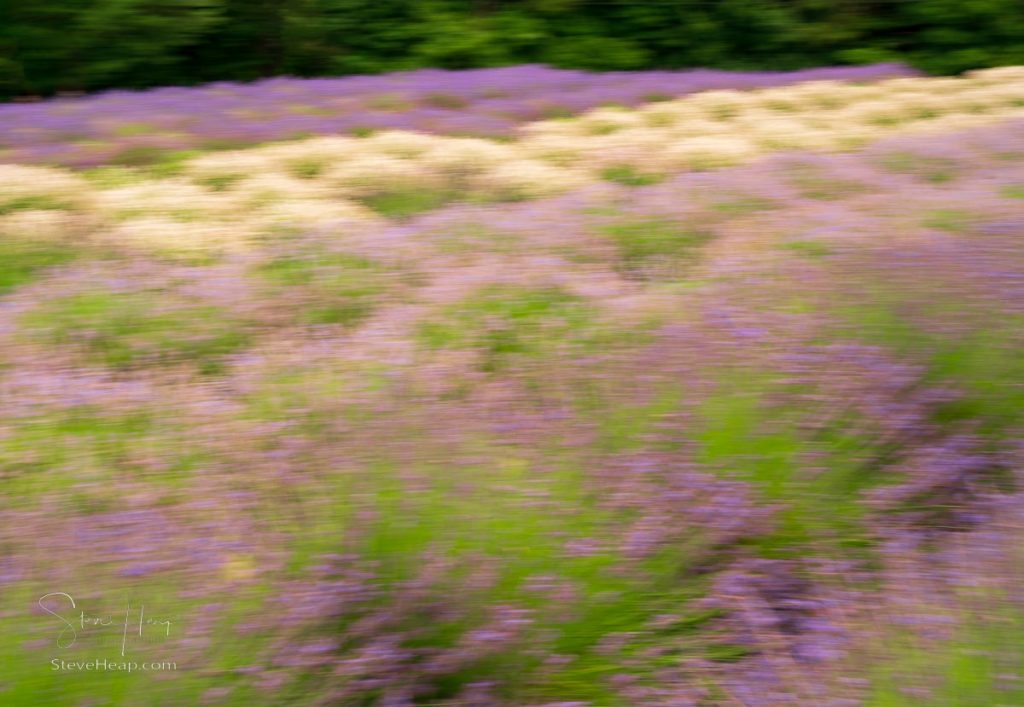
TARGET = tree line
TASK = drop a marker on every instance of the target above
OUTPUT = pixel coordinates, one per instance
(50, 46)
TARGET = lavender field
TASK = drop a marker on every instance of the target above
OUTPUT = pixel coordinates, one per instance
(144, 127)
(719, 403)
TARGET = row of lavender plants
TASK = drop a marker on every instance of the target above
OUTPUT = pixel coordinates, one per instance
(140, 127)
(746, 437)
(229, 200)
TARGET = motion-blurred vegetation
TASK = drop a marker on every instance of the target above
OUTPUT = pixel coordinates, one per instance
(48, 46)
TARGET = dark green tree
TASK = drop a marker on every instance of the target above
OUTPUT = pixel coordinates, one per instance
(53, 45)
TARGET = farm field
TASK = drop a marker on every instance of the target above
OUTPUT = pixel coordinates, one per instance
(143, 127)
(714, 399)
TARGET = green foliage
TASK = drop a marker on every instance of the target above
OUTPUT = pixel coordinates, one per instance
(742, 204)
(36, 202)
(807, 248)
(339, 288)
(742, 432)
(501, 322)
(126, 331)
(630, 176)
(952, 220)
(98, 444)
(977, 666)
(59, 45)
(403, 203)
(22, 261)
(68, 45)
(1013, 191)
(654, 248)
(936, 170)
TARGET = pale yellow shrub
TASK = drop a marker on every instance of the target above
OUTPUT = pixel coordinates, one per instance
(227, 166)
(698, 127)
(786, 133)
(924, 105)
(548, 128)
(28, 187)
(173, 198)
(36, 225)
(998, 75)
(977, 99)
(949, 123)
(607, 120)
(875, 112)
(778, 99)
(663, 115)
(719, 105)
(400, 143)
(459, 158)
(372, 174)
(707, 152)
(848, 136)
(941, 85)
(823, 94)
(309, 157)
(633, 147)
(173, 237)
(557, 149)
(308, 212)
(272, 187)
(525, 179)
(1007, 95)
